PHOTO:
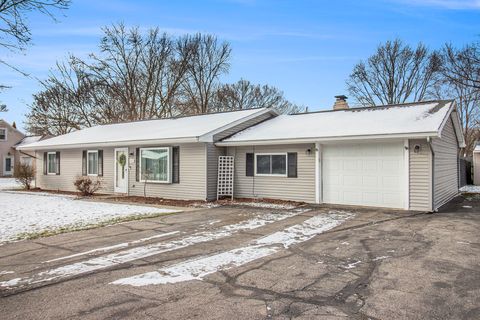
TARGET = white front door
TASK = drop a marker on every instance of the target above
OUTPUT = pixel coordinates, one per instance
(366, 174)
(8, 166)
(121, 170)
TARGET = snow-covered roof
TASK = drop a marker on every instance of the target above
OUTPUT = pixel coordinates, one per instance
(406, 120)
(173, 130)
(28, 140)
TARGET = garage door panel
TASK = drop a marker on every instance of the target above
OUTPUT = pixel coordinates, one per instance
(364, 174)
(370, 181)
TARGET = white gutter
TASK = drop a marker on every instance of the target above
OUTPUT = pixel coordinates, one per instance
(412, 135)
(32, 146)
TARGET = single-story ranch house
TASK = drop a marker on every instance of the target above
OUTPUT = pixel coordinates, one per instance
(396, 156)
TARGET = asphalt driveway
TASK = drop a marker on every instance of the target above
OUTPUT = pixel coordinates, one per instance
(244, 263)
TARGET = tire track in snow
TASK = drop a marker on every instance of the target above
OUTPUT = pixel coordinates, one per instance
(124, 256)
(199, 268)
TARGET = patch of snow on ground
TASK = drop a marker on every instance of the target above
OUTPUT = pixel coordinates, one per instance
(197, 269)
(470, 189)
(6, 272)
(114, 247)
(9, 183)
(380, 258)
(352, 265)
(141, 252)
(265, 205)
(31, 212)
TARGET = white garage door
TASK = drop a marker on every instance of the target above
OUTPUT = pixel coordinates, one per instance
(364, 174)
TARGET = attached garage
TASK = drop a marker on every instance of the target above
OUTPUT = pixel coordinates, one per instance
(396, 156)
(367, 174)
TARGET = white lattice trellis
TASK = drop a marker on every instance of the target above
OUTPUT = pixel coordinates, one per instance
(225, 176)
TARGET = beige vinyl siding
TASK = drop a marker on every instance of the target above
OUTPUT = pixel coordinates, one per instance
(192, 184)
(301, 188)
(445, 175)
(213, 153)
(242, 126)
(420, 180)
(70, 168)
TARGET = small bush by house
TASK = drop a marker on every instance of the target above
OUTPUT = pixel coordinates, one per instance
(24, 174)
(87, 186)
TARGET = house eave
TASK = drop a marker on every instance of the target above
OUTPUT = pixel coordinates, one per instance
(413, 135)
(111, 144)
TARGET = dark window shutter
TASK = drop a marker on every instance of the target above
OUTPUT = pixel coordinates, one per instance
(137, 164)
(292, 165)
(100, 163)
(57, 156)
(250, 165)
(45, 162)
(84, 162)
(176, 165)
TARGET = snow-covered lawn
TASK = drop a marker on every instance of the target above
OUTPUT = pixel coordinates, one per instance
(22, 213)
(9, 183)
(470, 189)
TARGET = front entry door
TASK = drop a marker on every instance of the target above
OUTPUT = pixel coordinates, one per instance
(7, 166)
(121, 170)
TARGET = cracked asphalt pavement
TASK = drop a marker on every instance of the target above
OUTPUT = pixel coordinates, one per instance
(380, 264)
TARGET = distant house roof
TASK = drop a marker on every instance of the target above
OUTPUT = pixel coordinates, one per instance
(28, 140)
(421, 119)
(173, 130)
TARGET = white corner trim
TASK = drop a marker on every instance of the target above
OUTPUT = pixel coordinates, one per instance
(407, 173)
(318, 173)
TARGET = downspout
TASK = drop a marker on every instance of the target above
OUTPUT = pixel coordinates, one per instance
(26, 154)
(429, 140)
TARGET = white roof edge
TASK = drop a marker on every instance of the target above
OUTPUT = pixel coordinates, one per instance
(208, 137)
(459, 131)
(110, 144)
(412, 135)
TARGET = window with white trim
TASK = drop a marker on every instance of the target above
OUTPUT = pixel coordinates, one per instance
(51, 163)
(92, 162)
(3, 134)
(271, 164)
(155, 165)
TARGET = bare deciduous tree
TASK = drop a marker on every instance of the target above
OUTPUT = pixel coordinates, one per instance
(462, 66)
(209, 60)
(245, 95)
(396, 73)
(460, 80)
(14, 31)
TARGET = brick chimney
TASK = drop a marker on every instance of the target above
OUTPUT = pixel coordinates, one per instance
(340, 103)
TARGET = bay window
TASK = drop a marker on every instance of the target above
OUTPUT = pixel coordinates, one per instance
(155, 165)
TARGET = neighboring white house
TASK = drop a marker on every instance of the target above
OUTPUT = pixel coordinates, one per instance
(397, 156)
